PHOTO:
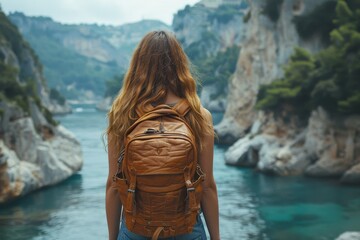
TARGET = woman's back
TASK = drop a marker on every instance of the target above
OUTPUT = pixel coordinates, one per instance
(159, 179)
(159, 74)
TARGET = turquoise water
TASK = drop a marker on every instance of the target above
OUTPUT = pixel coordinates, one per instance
(252, 205)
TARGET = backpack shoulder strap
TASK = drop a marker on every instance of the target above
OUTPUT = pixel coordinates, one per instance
(182, 107)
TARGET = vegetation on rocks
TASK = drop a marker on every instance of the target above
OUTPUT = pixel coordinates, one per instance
(56, 95)
(329, 78)
(12, 90)
(219, 68)
(225, 13)
(247, 17)
(198, 51)
(10, 34)
(214, 69)
(213, 49)
(15, 87)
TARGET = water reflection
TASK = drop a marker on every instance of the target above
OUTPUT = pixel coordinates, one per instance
(26, 216)
(238, 208)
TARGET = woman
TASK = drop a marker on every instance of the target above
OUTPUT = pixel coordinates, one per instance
(159, 74)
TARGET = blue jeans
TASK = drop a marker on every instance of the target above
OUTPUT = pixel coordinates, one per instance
(198, 233)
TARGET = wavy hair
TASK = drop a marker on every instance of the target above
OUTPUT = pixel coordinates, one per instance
(158, 65)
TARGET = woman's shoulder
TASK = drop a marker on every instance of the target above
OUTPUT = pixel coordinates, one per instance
(205, 113)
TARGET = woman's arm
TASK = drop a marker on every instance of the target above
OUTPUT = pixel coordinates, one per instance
(209, 202)
(112, 201)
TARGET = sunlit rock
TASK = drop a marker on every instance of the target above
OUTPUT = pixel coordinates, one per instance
(349, 236)
(352, 175)
(29, 161)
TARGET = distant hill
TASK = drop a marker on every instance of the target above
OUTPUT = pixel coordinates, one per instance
(79, 58)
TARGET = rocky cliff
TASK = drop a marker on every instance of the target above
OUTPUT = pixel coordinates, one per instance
(35, 151)
(326, 147)
(24, 60)
(79, 58)
(211, 37)
(266, 48)
(280, 142)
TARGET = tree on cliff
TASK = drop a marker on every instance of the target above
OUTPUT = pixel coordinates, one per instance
(329, 78)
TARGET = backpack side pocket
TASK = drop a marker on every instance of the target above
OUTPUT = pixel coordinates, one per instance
(120, 183)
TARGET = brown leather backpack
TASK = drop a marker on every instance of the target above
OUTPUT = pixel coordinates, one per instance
(159, 179)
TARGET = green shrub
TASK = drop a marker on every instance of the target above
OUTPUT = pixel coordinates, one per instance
(49, 117)
(198, 51)
(56, 95)
(47, 114)
(218, 69)
(247, 17)
(329, 78)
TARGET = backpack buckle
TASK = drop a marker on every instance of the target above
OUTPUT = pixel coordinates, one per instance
(131, 190)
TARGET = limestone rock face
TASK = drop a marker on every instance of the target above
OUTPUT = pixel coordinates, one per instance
(272, 146)
(203, 36)
(334, 143)
(352, 175)
(349, 236)
(324, 147)
(192, 24)
(245, 151)
(266, 47)
(34, 155)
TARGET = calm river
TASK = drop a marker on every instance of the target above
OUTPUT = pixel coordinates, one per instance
(252, 205)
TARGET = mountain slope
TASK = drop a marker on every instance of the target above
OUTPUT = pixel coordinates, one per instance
(79, 58)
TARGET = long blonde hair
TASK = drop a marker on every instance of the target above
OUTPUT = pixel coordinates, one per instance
(158, 65)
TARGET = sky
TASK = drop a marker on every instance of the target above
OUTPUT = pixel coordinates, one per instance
(113, 12)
